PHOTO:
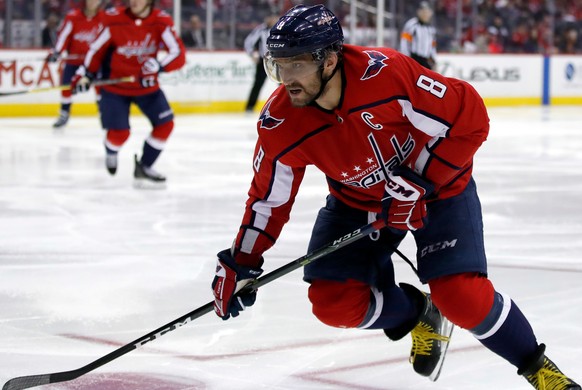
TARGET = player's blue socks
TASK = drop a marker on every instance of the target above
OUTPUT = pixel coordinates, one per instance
(507, 332)
(150, 154)
(389, 309)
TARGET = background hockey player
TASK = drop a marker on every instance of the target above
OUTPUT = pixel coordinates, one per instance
(396, 141)
(128, 46)
(80, 28)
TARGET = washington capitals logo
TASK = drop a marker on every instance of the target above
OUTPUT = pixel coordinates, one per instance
(267, 121)
(375, 64)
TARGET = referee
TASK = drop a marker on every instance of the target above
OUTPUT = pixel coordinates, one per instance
(255, 45)
(418, 37)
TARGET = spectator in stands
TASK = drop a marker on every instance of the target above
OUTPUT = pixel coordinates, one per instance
(520, 41)
(49, 32)
(193, 35)
(501, 30)
(569, 41)
(494, 45)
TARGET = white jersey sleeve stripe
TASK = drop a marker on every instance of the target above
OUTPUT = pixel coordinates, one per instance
(172, 45)
(422, 122)
(101, 40)
(279, 195)
(423, 156)
(65, 32)
(249, 240)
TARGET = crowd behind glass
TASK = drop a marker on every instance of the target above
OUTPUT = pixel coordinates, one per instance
(474, 26)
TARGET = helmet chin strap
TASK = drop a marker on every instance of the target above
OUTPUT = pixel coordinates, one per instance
(324, 81)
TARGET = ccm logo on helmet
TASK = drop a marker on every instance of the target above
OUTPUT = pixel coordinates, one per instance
(276, 45)
(325, 19)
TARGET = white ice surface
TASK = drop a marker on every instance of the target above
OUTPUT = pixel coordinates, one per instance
(88, 263)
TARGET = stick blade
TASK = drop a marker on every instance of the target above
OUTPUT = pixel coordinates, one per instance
(25, 382)
(14, 93)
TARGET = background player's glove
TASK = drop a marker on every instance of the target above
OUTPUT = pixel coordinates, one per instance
(149, 71)
(404, 205)
(53, 56)
(148, 81)
(151, 66)
(81, 81)
(230, 278)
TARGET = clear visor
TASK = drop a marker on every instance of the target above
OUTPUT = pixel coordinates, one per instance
(289, 69)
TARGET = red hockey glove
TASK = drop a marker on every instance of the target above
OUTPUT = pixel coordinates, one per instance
(228, 280)
(404, 206)
(81, 81)
(149, 71)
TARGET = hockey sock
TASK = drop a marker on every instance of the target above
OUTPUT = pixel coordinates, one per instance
(66, 107)
(150, 153)
(155, 143)
(506, 331)
(389, 309)
(115, 139)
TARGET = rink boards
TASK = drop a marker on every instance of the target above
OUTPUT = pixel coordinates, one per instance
(221, 81)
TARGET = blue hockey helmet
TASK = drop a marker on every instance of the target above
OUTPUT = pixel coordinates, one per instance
(304, 29)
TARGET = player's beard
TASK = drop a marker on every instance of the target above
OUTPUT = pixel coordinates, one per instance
(304, 93)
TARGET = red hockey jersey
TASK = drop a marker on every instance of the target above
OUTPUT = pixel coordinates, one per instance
(127, 41)
(392, 112)
(76, 34)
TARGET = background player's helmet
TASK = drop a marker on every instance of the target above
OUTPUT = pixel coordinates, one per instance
(305, 29)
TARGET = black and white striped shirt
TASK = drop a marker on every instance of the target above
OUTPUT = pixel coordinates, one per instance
(418, 39)
(257, 40)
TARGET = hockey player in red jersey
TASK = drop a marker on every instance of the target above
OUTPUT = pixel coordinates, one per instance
(80, 27)
(396, 143)
(128, 46)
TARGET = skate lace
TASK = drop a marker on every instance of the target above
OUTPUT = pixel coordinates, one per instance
(423, 336)
(549, 378)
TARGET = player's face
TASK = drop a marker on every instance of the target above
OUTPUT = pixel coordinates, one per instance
(92, 5)
(140, 8)
(304, 91)
(300, 75)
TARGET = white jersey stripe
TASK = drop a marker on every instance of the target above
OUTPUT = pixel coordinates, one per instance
(422, 122)
(65, 32)
(172, 45)
(423, 156)
(279, 195)
(101, 40)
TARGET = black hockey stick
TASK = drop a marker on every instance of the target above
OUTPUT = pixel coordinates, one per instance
(96, 83)
(23, 59)
(25, 382)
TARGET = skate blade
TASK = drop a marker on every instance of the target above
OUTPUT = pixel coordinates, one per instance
(447, 331)
(145, 184)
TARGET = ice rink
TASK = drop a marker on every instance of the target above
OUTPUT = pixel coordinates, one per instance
(88, 263)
